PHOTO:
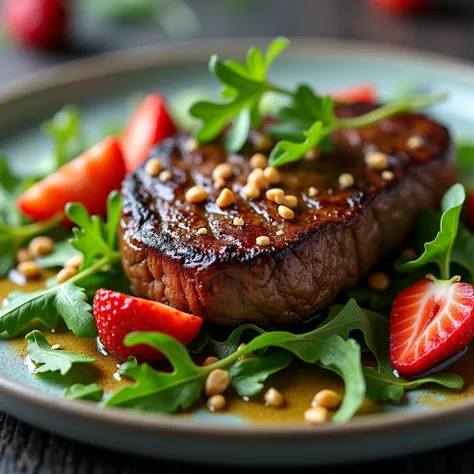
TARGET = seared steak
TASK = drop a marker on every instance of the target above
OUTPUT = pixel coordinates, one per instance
(334, 239)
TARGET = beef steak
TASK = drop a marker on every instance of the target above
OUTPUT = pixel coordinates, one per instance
(333, 241)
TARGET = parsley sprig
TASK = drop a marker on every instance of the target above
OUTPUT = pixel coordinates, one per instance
(306, 123)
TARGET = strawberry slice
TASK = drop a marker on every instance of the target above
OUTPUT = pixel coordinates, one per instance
(117, 315)
(149, 125)
(430, 322)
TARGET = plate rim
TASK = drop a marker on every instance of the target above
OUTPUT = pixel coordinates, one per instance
(174, 54)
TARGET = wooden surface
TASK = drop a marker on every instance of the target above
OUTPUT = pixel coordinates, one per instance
(448, 29)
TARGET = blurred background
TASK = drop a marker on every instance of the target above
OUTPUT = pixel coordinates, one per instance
(36, 34)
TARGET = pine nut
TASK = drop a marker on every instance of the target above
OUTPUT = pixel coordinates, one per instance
(286, 212)
(238, 221)
(76, 261)
(55, 347)
(327, 399)
(24, 255)
(246, 356)
(40, 246)
(209, 361)
(191, 145)
(316, 415)
(216, 403)
(387, 175)
(279, 233)
(166, 176)
(202, 231)
(226, 198)
(287, 200)
(65, 274)
(217, 382)
(196, 194)
(251, 191)
(258, 161)
(30, 270)
(257, 178)
(312, 191)
(263, 241)
(153, 167)
(273, 398)
(415, 142)
(378, 281)
(376, 160)
(271, 194)
(313, 154)
(262, 142)
(222, 171)
(272, 175)
(346, 180)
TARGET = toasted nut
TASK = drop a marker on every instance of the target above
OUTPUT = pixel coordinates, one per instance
(346, 180)
(217, 382)
(196, 194)
(166, 176)
(327, 399)
(75, 262)
(210, 360)
(272, 175)
(287, 200)
(65, 274)
(222, 171)
(238, 221)
(262, 142)
(191, 145)
(226, 198)
(24, 255)
(387, 175)
(257, 178)
(409, 254)
(153, 167)
(202, 231)
(286, 212)
(312, 191)
(271, 194)
(55, 347)
(313, 154)
(30, 270)
(376, 160)
(273, 398)
(415, 142)
(219, 182)
(280, 232)
(258, 161)
(378, 281)
(316, 415)
(263, 241)
(246, 356)
(41, 246)
(216, 403)
(251, 191)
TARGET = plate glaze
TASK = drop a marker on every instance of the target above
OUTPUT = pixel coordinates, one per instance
(101, 87)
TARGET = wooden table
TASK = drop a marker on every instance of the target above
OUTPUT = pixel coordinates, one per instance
(449, 29)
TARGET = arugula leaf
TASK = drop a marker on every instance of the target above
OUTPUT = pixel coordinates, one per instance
(245, 85)
(83, 392)
(160, 391)
(383, 385)
(247, 376)
(465, 162)
(48, 360)
(62, 253)
(439, 249)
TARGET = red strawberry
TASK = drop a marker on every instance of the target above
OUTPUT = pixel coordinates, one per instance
(36, 23)
(401, 7)
(117, 315)
(430, 322)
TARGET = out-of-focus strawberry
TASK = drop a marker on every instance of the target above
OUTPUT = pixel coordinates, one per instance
(401, 7)
(36, 23)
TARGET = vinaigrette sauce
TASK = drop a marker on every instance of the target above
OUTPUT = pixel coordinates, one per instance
(298, 385)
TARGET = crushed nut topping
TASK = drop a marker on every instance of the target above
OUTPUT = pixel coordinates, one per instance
(166, 176)
(346, 180)
(258, 161)
(376, 160)
(263, 241)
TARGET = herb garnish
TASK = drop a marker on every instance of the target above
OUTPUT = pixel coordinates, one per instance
(305, 124)
(98, 243)
(48, 359)
(80, 391)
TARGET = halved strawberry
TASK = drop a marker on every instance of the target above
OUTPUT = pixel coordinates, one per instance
(149, 125)
(430, 322)
(117, 315)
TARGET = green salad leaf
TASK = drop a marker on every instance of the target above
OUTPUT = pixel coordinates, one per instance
(439, 249)
(80, 391)
(47, 359)
(62, 253)
(465, 162)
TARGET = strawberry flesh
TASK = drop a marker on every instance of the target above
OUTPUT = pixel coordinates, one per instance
(117, 315)
(429, 323)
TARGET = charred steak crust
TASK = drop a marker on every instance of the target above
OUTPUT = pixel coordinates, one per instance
(334, 239)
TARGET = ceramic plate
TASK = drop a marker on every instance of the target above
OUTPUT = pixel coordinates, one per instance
(100, 86)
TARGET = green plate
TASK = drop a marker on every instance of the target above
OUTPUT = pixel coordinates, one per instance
(100, 87)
